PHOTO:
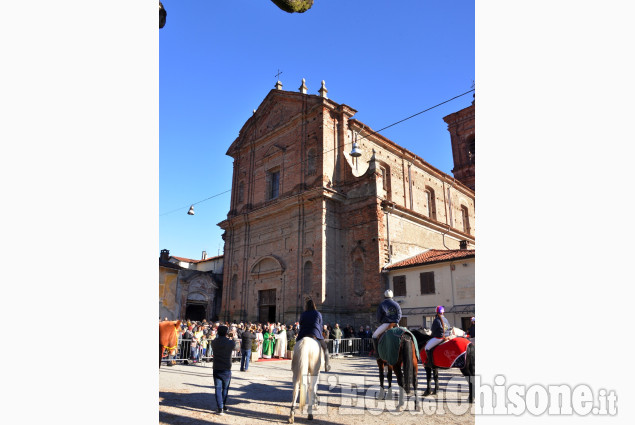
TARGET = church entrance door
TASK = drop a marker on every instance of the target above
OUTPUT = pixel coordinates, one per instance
(195, 312)
(267, 305)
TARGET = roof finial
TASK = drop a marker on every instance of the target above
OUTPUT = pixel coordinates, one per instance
(303, 87)
(278, 83)
(323, 90)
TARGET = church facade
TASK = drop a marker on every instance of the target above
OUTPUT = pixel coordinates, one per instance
(309, 220)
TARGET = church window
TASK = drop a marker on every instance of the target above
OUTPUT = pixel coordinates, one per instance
(431, 211)
(399, 286)
(311, 162)
(273, 184)
(234, 286)
(241, 192)
(306, 277)
(383, 178)
(471, 149)
(466, 219)
(358, 276)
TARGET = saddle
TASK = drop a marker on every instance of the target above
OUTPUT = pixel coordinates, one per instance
(388, 344)
(448, 354)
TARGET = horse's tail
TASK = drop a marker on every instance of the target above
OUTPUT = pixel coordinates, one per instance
(407, 366)
(470, 366)
(300, 367)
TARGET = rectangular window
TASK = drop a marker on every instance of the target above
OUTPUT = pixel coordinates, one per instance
(427, 283)
(273, 184)
(466, 220)
(399, 285)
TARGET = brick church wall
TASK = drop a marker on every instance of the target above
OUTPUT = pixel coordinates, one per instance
(326, 234)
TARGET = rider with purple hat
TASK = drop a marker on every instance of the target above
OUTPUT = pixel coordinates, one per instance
(440, 326)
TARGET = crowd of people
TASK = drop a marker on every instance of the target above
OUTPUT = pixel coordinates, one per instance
(269, 340)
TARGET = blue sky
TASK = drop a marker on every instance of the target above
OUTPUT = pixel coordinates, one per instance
(218, 62)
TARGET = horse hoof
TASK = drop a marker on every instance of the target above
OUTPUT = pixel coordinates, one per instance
(310, 417)
(426, 392)
(291, 419)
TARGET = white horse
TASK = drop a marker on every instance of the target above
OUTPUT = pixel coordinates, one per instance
(306, 364)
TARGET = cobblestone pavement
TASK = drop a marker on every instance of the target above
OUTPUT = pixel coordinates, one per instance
(262, 395)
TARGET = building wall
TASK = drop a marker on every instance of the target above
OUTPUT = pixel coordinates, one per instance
(453, 287)
(335, 217)
(168, 281)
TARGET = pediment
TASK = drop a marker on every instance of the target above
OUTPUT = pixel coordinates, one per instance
(277, 109)
(273, 150)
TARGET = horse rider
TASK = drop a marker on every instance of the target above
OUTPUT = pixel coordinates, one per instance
(388, 312)
(311, 326)
(439, 327)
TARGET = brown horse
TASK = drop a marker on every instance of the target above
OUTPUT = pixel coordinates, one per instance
(405, 368)
(168, 338)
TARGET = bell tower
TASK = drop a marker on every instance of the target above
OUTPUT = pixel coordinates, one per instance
(462, 136)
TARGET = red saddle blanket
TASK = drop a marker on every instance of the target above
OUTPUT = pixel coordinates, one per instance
(447, 353)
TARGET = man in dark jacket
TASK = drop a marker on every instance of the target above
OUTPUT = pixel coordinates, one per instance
(311, 326)
(245, 348)
(387, 312)
(222, 348)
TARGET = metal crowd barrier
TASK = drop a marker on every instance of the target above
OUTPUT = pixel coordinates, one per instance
(349, 346)
(184, 353)
(345, 347)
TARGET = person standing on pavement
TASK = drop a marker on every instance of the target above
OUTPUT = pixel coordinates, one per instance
(222, 348)
(245, 348)
(337, 338)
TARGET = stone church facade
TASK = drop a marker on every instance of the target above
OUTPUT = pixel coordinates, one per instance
(307, 219)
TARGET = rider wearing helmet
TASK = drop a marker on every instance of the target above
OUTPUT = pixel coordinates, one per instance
(311, 326)
(388, 312)
(440, 326)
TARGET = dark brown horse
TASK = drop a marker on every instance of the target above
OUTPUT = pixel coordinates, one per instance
(168, 338)
(405, 368)
(467, 367)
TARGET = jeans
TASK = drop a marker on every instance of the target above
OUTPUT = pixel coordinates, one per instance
(222, 379)
(336, 346)
(244, 359)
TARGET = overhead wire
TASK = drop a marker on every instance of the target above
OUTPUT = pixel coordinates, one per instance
(330, 150)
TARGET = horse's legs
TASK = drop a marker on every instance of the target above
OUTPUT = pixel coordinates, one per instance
(415, 374)
(435, 373)
(389, 376)
(382, 392)
(400, 383)
(470, 384)
(296, 387)
(428, 377)
(312, 394)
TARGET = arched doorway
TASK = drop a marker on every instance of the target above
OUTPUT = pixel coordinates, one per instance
(195, 312)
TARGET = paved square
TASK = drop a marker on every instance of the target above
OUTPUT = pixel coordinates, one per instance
(347, 396)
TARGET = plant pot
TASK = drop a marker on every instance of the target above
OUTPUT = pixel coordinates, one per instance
(290, 355)
(254, 356)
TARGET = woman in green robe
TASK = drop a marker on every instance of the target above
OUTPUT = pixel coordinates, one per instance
(268, 344)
